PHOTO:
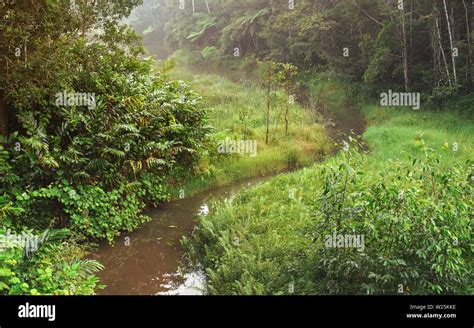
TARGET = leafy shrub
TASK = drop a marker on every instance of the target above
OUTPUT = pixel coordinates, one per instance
(87, 209)
(88, 167)
(74, 158)
(416, 220)
(154, 189)
(209, 53)
(53, 269)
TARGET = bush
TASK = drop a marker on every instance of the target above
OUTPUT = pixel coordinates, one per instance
(416, 221)
(53, 269)
(209, 53)
(95, 169)
(87, 209)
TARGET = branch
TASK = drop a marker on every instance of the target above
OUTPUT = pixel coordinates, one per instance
(366, 13)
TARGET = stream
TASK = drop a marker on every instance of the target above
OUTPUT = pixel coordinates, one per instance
(147, 261)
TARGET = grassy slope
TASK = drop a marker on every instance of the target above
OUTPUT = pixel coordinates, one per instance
(395, 133)
(305, 143)
(262, 242)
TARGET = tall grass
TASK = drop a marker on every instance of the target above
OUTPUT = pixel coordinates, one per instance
(397, 133)
(237, 111)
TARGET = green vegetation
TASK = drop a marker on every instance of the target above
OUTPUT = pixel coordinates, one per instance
(410, 198)
(238, 111)
(396, 133)
(55, 268)
(281, 240)
(421, 46)
(89, 165)
(92, 166)
(92, 132)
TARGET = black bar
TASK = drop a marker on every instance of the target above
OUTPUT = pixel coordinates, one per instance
(164, 311)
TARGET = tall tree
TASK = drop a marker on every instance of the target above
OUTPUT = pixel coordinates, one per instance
(207, 6)
(441, 49)
(404, 49)
(451, 43)
(469, 69)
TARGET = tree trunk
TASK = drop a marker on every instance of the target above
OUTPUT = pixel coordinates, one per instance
(3, 117)
(436, 56)
(405, 53)
(207, 6)
(451, 43)
(442, 53)
(469, 57)
(411, 33)
(192, 3)
(268, 106)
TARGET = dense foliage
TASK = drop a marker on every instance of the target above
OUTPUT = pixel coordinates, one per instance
(89, 166)
(415, 217)
(423, 46)
(47, 265)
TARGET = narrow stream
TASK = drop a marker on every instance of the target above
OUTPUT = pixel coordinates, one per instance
(146, 261)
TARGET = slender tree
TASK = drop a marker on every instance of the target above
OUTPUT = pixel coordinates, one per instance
(469, 72)
(451, 43)
(438, 30)
(207, 6)
(404, 51)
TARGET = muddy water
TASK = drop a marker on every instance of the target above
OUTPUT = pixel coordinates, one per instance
(146, 261)
(346, 122)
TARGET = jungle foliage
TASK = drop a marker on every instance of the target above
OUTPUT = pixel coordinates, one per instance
(424, 46)
(89, 167)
